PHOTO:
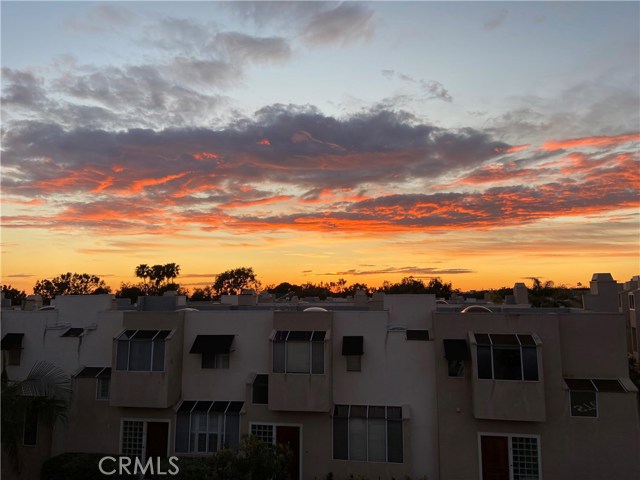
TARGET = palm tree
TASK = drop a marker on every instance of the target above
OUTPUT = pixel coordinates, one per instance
(46, 392)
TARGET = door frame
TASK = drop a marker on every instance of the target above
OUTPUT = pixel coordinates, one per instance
(275, 436)
(144, 433)
(510, 450)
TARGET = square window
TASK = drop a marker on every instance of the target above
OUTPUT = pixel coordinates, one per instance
(456, 368)
(584, 404)
(354, 363)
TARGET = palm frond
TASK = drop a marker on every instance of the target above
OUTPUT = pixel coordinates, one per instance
(47, 380)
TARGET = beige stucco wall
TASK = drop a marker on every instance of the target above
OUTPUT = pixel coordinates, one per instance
(151, 389)
(575, 344)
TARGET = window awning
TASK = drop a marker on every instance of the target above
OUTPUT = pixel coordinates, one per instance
(352, 345)
(595, 385)
(209, 406)
(12, 341)
(212, 344)
(456, 349)
(417, 334)
(94, 372)
(73, 332)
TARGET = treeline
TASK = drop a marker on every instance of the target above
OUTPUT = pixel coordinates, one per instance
(160, 278)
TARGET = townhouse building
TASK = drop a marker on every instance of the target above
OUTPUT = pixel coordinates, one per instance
(384, 388)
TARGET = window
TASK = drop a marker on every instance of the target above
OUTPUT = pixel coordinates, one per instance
(456, 352)
(30, 431)
(261, 389)
(12, 343)
(632, 302)
(352, 349)
(298, 352)
(214, 349)
(417, 334)
(133, 433)
(583, 394)
(510, 456)
(507, 356)
(141, 350)
(634, 339)
(206, 427)
(264, 432)
(367, 433)
(102, 388)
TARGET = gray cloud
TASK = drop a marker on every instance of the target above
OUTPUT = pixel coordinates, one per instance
(405, 271)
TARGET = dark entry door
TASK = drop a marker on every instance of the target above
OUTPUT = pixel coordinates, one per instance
(157, 439)
(495, 457)
(290, 436)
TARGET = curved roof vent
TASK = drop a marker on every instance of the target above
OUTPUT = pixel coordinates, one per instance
(315, 309)
(188, 309)
(476, 309)
(441, 302)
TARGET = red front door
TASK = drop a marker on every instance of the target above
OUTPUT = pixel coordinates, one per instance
(495, 457)
(157, 439)
(290, 436)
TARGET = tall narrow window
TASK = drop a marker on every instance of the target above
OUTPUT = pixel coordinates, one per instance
(261, 389)
(352, 350)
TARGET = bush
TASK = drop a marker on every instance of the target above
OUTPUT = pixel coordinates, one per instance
(78, 466)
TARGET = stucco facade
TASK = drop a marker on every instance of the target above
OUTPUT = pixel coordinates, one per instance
(360, 388)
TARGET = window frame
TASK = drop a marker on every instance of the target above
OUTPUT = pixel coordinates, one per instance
(253, 386)
(221, 432)
(510, 437)
(276, 339)
(593, 389)
(501, 348)
(387, 419)
(153, 340)
(99, 381)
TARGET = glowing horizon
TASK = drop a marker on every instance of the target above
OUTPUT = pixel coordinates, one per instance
(318, 141)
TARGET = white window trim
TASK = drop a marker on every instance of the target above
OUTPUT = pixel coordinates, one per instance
(509, 436)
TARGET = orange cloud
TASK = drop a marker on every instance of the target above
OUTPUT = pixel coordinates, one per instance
(205, 155)
(514, 149)
(139, 185)
(603, 141)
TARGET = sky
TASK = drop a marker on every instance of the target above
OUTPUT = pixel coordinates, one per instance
(484, 143)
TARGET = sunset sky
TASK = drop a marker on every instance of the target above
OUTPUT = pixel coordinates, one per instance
(482, 142)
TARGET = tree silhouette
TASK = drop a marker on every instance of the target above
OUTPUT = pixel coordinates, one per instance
(232, 282)
(16, 296)
(46, 392)
(161, 276)
(70, 284)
